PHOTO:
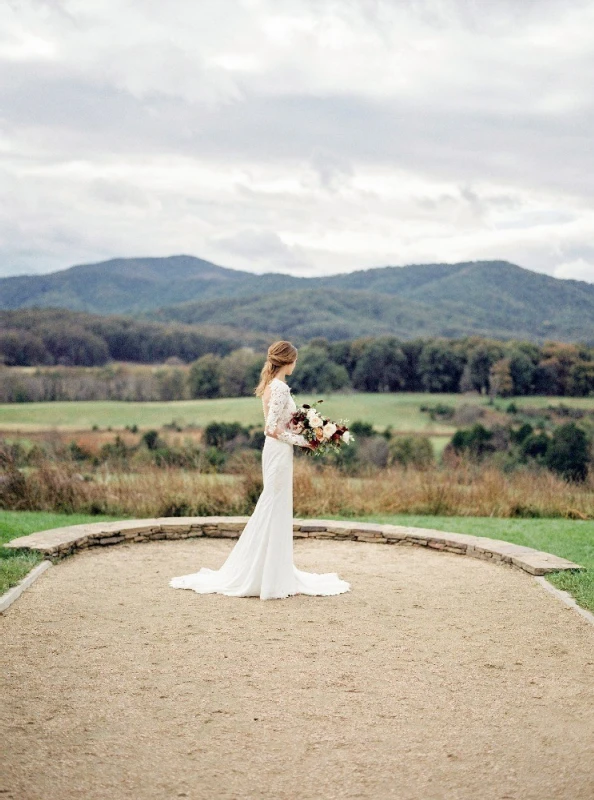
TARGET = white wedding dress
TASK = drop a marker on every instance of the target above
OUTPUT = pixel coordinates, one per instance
(261, 563)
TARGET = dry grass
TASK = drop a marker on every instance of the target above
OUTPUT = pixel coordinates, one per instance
(464, 490)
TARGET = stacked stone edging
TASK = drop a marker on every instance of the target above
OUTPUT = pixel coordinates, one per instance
(60, 542)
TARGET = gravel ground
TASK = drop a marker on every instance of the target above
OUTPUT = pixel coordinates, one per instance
(436, 676)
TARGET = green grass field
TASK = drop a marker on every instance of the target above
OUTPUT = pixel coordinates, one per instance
(400, 410)
(566, 538)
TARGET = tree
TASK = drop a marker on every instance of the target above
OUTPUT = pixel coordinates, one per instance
(345, 354)
(440, 366)
(412, 350)
(204, 377)
(315, 372)
(381, 367)
(568, 452)
(236, 373)
(500, 379)
(216, 434)
(466, 383)
(172, 384)
(521, 369)
(581, 379)
(480, 361)
(535, 445)
(552, 373)
(22, 349)
(476, 441)
(72, 345)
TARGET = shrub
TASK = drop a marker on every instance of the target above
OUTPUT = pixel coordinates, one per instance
(416, 451)
(13, 487)
(215, 458)
(360, 428)
(439, 410)
(117, 450)
(151, 440)
(475, 441)
(522, 433)
(535, 445)
(567, 453)
(216, 434)
(78, 453)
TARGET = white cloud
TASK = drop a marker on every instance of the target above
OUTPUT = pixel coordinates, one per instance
(306, 136)
(579, 270)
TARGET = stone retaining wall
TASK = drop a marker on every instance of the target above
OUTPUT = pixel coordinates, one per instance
(60, 542)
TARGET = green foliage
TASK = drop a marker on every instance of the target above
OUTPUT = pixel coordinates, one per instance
(441, 367)
(495, 298)
(581, 379)
(117, 450)
(204, 376)
(317, 373)
(535, 445)
(172, 384)
(522, 433)
(20, 348)
(441, 410)
(360, 428)
(381, 366)
(77, 452)
(216, 434)
(568, 452)
(480, 361)
(215, 458)
(239, 372)
(51, 336)
(522, 369)
(475, 441)
(151, 440)
(415, 451)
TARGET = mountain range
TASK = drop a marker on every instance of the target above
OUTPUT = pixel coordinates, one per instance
(486, 298)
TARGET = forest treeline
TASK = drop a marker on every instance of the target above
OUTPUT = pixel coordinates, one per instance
(368, 364)
(44, 337)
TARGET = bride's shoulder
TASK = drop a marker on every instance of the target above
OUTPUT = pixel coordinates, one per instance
(274, 385)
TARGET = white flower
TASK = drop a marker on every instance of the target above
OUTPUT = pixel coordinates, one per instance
(314, 419)
(346, 436)
(329, 429)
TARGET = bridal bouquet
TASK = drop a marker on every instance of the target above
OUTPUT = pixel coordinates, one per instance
(322, 433)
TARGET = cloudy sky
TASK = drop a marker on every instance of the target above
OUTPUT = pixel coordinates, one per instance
(301, 136)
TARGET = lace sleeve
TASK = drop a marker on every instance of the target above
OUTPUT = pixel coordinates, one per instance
(277, 412)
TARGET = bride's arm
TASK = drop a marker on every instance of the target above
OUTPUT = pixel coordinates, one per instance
(279, 396)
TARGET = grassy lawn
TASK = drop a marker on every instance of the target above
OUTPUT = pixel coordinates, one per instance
(567, 538)
(399, 409)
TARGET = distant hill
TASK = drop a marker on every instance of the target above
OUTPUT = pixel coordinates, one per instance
(332, 313)
(490, 298)
(125, 285)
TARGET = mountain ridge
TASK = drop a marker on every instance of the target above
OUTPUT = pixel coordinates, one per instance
(490, 298)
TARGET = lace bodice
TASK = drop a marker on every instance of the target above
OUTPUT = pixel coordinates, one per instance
(280, 407)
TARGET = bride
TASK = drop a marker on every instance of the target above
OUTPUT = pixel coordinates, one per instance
(261, 562)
